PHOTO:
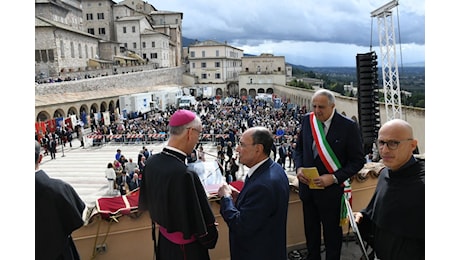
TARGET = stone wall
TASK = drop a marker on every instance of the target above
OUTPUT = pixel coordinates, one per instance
(137, 81)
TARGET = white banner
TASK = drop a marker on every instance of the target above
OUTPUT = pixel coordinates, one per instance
(106, 116)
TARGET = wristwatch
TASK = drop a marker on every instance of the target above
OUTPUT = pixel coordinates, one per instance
(335, 179)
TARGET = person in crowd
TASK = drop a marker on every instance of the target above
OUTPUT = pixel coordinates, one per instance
(130, 166)
(228, 153)
(118, 155)
(69, 134)
(146, 152)
(139, 155)
(220, 159)
(123, 161)
(369, 157)
(257, 216)
(139, 174)
(282, 151)
(201, 154)
(186, 223)
(290, 148)
(134, 183)
(233, 169)
(322, 207)
(395, 216)
(45, 142)
(123, 183)
(61, 132)
(141, 164)
(53, 146)
(59, 211)
(110, 175)
(117, 167)
(80, 136)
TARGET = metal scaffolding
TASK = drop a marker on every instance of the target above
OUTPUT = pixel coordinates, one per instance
(390, 74)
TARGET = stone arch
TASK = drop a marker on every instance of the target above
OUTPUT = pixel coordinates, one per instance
(72, 111)
(111, 106)
(252, 93)
(269, 90)
(103, 107)
(233, 89)
(219, 92)
(243, 92)
(58, 113)
(94, 108)
(84, 109)
(84, 114)
(260, 90)
(43, 116)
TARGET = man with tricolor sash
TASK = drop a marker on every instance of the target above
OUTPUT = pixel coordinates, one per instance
(331, 144)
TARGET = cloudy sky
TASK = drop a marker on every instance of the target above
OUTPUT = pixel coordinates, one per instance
(307, 32)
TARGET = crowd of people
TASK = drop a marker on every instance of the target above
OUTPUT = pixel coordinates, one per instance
(124, 175)
(256, 213)
(222, 121)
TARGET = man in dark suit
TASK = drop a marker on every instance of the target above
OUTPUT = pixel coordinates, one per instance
(52, 146)
(123, 182)
(134, 182)
(257, 216)
(58, 212)
(336, 151)
(282, 150)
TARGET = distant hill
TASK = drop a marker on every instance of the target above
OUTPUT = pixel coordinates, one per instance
(187, 41)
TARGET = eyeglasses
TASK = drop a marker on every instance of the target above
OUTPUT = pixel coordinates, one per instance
(392, 144)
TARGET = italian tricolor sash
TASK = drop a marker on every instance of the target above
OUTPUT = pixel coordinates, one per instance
(330, 160)
(325, 152)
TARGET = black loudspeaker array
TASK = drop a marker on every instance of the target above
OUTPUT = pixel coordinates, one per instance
(368, 97)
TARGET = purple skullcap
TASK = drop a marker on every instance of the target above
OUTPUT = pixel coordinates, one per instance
(181, 117)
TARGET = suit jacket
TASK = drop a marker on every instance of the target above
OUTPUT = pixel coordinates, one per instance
(119, 179)
(345, 140)
(58, 212)
(257, 220)
(122, 187)
(282, 152)
(133, 185)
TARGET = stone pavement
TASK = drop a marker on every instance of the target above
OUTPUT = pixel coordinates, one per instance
(84, 168)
